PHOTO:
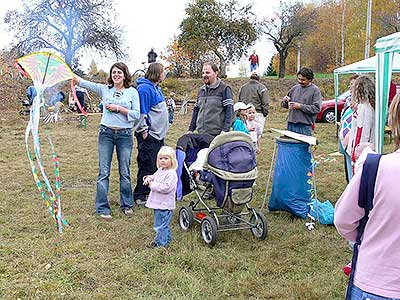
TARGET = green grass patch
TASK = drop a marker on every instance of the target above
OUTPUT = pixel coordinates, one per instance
(94, 259)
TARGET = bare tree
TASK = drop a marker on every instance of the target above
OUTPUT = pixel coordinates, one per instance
(66, 26)
(286, 26)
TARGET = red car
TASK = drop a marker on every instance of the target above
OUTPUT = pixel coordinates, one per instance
(327, 113)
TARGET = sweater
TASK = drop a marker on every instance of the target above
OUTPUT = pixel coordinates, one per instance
(378, 265)
(163, 190)
(310, 99)
(128, 98)
(153, 109)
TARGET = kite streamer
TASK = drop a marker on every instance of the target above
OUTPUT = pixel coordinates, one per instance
(76, 99)
(45, 69)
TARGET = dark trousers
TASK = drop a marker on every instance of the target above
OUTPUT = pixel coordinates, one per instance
(146, 162)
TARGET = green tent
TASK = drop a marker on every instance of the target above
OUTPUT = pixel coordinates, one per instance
(386, 61)
(385, 49)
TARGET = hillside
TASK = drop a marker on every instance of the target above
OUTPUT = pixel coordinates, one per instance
(13, 91)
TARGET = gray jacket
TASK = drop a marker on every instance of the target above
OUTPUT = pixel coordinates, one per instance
(256, 93)
(213, 111)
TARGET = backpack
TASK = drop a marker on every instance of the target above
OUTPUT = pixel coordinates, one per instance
(366, 201)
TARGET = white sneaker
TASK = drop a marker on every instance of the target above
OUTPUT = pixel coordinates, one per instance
(105, 217)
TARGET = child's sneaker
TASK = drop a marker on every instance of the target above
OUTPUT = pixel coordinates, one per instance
(347, 269)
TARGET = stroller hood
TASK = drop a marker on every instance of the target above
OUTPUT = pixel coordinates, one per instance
(231, 157)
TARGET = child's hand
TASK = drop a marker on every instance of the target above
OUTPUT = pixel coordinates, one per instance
(147, 180)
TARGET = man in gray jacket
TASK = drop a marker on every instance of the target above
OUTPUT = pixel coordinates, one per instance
(213, 111)
(256, 93)
(304, 102)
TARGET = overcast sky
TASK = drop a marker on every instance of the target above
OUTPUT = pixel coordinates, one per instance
(142, 33)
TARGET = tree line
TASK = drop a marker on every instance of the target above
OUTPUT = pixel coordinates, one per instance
(328, 33)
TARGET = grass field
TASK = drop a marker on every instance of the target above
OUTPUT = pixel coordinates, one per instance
(95, 259)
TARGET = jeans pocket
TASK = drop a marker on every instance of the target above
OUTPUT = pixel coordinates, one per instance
(102, 130)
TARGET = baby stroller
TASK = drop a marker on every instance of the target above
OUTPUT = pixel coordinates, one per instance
(226, 177)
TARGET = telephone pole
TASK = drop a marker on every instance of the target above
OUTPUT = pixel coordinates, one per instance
(368, 30)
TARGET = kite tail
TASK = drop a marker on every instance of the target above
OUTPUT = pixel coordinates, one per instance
(76, 99)
(60, 216)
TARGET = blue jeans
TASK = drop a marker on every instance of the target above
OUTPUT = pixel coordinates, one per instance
(162, 220)
(359, 294)
(300, 128)
(122, 140)
(253, 67)
(171, 117)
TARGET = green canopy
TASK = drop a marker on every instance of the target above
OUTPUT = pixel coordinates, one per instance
(385, 49)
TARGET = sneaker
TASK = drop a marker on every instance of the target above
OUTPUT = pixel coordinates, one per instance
(105, 217)
(128, 212)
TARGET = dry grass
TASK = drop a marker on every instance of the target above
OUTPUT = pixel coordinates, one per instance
(94, 259)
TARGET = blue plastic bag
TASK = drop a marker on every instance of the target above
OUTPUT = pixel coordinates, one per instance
(291, 190)
(325, 211)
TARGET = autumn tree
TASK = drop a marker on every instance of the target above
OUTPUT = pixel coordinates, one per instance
(66, 26)
(93, 70)
(388, 17)
(224, 29)
(180, 61)
(286, 26)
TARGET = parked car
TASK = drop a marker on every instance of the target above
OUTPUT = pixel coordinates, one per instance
(327, 113)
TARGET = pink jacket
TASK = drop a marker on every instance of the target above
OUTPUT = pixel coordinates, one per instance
(378, 266)
(163, 189)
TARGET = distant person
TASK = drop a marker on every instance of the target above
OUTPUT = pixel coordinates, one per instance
(151, 128)
(151, 56)
(346, 133)
(213, 111)
(254, 62)
(162, 196)
(256, 93)
(31, 94)
(58, 97)
(171, 108)
(254, 128)
(304, 102)
(376, 274)
(120, 111)
(364, 122)
(80, 94)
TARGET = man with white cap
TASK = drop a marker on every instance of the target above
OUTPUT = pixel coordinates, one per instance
(256, 93)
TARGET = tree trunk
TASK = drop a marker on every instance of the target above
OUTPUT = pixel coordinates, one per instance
(282, 65)
(222, 64)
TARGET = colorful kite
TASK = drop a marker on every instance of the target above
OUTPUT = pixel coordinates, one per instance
(45, 69)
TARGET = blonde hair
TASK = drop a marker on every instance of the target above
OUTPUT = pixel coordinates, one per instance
(170, 152)
(251, 106)
(394, 119)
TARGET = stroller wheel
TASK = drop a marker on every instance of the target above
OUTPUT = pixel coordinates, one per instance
(185, 218)
(209, 231)
(259, 225)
